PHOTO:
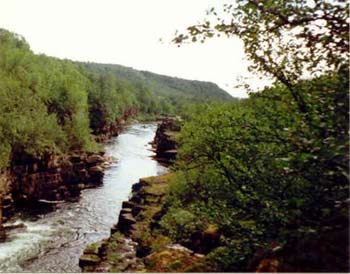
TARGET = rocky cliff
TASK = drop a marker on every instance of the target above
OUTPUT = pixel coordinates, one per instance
(135, 244)
(104, 132)
(56, 178)
(32, 182)
(140, 242)
(164, 143)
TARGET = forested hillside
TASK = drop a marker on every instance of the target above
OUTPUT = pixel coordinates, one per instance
(51, 106)
(259, 184)
(172, 92)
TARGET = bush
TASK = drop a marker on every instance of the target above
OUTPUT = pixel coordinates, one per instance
(258, 166)
(180, 225)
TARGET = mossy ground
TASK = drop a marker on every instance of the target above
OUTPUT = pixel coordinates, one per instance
(119, 253)
(153, 195)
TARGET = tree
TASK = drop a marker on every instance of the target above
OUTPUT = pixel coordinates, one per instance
(286, 39)
(260, 165)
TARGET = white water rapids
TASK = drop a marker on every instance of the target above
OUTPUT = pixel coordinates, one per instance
(54, 240)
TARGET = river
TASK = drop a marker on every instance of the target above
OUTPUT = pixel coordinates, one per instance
(53, 241)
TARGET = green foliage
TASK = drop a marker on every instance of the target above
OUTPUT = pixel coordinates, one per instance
(274, 166)
(161, 94)
(180, 224)
(25, 125)
(285, 38)
(108, 99)
(51, 106)
(256, 167)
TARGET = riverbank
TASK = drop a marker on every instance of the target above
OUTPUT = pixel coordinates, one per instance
(137, 243)
(164, 143)
(144, 239)
(122, 250)
(32, 182)
(35, 182)
(54, 240)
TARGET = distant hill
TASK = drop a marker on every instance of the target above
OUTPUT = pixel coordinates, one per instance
(162, 85)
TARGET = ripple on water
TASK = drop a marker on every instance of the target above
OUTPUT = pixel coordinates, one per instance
(23, 245)
(54, 242)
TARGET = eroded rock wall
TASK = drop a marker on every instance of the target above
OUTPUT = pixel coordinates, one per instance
(104, 132)
(164, 142)
(56, 178)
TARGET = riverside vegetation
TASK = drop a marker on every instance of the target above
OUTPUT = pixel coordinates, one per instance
(271, 172)
(50, 105)
(55, 112)
(259, 184)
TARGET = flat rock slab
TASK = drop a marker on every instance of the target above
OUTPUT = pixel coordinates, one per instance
(89, 260)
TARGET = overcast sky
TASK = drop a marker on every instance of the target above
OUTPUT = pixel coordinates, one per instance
(128, 32)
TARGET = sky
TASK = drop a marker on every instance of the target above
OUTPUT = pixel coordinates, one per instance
(133, 33)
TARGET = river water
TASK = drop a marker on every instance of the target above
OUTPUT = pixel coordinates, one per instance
(53, 241)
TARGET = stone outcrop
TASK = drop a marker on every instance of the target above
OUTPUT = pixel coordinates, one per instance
(56, 178)
(138, 216)
(138, 245)
(36, 184)
(165, 140)
(116, 254)
(174, 258)
(52, 178)
(132, 245)
(6, 201)
(105, 132)
(135, 218)
(150, 252)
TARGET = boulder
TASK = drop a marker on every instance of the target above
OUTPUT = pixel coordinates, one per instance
(137, 209)
(2, 235)
(125, 222)
(210, 238)
(125, 211)
(96, 174)
(174, 258)
(95, 170)
(19, 227)
(94, 248)
(114, 228)
(81, 186)
(95, 159)
(136, 199)
(83, 174)
(89, 260)
(128, 204)
(137, 186)
(76, 158)
(7, 200)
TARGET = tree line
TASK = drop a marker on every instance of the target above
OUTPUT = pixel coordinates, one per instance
(53, 106)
